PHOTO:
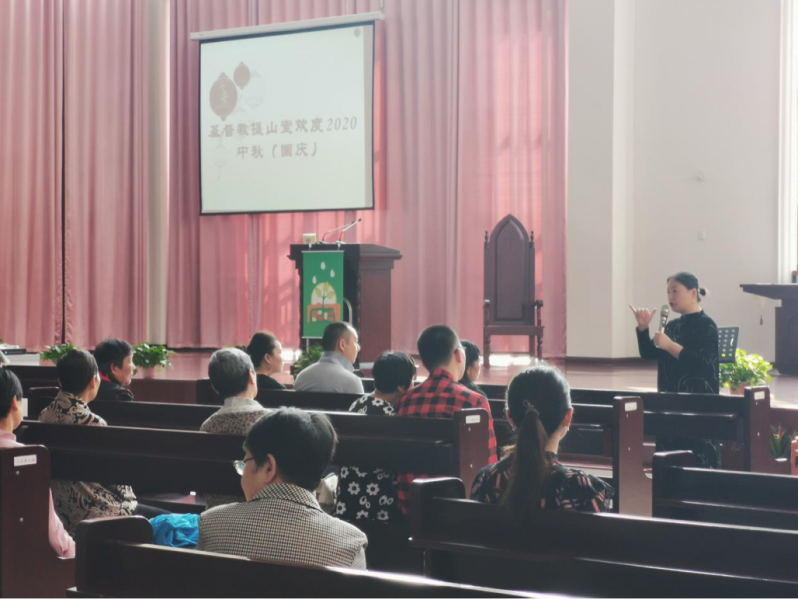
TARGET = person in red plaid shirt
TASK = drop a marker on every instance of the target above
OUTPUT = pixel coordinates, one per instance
(441, 394)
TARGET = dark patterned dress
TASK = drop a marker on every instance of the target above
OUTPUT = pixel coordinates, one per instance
(78, 500)
(696, 371)
(566, 489)
(368, 495)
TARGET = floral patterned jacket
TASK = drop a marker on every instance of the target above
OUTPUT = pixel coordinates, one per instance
(76, 501)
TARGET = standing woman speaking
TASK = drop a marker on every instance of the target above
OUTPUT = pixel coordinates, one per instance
(687, 353)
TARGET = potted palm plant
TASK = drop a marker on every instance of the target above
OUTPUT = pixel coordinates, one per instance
(746, 370)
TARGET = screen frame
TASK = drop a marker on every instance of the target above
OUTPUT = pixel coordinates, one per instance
(202, 212)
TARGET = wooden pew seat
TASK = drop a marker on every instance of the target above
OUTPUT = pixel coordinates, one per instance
(598, 555)
(178, 462)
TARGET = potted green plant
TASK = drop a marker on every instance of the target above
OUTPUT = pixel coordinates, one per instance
(151, 358)
(746, 370)
(780, 441)
(55, 353)
(307, 358)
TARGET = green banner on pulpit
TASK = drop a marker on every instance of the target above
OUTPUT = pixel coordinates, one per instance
(322, 291)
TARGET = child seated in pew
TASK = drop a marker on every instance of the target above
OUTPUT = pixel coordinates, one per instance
(233, 377)
(75, 501)
(371, 495)
(10, 418)
(286, 453)
(530, 477)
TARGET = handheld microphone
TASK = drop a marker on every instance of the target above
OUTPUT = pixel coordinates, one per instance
(344, 227)
(664, 312)
(347, 228)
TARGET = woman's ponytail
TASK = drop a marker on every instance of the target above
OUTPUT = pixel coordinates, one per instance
(530, 468)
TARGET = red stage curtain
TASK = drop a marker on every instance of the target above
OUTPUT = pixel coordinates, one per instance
(30, 172)
(107, 180)
(473, 128)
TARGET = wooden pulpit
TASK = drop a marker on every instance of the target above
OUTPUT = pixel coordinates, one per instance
(367, 288)
(786, 321)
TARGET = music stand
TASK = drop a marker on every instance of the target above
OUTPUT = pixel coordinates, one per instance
(727, 344)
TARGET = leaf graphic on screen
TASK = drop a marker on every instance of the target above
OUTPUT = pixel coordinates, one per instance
(241, 75)
(223, 96)
(256, 93)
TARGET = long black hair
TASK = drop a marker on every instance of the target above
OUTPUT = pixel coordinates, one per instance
(538, 399)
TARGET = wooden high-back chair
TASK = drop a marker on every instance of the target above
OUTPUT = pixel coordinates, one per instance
(510, 304)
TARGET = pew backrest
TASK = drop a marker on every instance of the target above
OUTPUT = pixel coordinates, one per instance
(188, 460)
(682, 491)
(117, 558)
(560, 550)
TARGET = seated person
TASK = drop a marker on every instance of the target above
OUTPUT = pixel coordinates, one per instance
(115, 360)
(441, 394)
(232, 377)
(335, 371)
(371, 495)
(266, 353)
(530, 477)
(472, 368)
(76, 501)
(10, 418)
(286, 453)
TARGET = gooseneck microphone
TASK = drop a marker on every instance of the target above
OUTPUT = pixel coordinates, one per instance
(664, 312)
(344, 227)
(347, 228)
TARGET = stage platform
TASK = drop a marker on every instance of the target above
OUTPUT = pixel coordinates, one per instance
(633, 376)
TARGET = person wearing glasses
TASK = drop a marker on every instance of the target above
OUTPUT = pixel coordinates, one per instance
(440, 395)
(233, 377)
(286, 453)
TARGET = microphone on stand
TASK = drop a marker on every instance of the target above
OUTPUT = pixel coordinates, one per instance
(344, 227)
(347, 228)
(664, 312)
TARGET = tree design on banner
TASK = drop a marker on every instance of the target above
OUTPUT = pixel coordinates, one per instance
(322, 291)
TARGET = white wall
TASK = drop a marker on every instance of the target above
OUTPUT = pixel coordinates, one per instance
(590, 175)
(705, 102)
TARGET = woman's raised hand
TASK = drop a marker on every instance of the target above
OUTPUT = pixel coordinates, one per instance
(643, 316)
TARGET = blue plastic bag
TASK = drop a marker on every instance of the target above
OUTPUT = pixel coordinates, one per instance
(177, 531)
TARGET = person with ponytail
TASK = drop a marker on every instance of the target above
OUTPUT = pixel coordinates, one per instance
(265, 350)
(687, 355)
(530, 476)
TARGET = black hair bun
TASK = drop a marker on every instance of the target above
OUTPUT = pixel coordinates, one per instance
(703, 291)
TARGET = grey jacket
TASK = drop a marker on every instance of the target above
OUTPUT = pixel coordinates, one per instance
(333, 373)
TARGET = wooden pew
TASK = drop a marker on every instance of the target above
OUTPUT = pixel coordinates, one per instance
(682, 491)
(744, 420)
(28, 565)
(619, 428)
(597, 555)
(180, 462)
(117, 559)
